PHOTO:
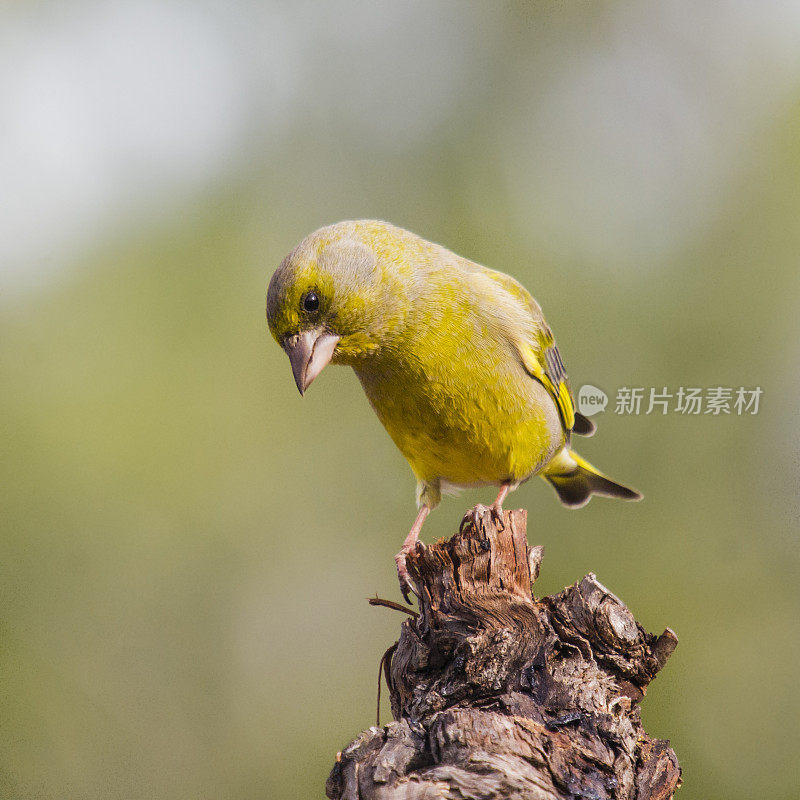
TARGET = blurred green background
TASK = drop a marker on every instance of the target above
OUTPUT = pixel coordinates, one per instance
(187, 545)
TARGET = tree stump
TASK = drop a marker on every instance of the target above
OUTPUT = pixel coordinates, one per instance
(496, 694)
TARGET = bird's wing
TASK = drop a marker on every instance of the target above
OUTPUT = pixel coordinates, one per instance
(543, 361)
(539, 354)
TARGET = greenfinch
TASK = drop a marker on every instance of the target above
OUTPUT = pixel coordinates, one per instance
(456, 360)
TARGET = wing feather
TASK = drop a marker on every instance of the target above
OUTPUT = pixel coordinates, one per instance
(539, 353)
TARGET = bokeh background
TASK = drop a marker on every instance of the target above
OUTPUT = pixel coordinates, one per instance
(187, 545)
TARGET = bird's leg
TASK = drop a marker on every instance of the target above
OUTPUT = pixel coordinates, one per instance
(496, 508)
(408, 547)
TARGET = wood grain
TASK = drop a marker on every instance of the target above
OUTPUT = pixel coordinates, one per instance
(496, 694)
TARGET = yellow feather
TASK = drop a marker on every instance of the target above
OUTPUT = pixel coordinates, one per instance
(456, 359)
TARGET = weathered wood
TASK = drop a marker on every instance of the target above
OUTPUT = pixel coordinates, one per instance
(499, 695)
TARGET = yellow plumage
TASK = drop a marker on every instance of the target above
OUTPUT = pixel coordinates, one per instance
(455, 358)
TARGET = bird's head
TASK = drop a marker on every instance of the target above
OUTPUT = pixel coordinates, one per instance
(329, 300)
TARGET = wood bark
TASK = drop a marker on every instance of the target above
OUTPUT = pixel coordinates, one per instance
(496, 694)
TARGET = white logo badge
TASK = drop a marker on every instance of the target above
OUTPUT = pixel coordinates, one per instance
(591, 400)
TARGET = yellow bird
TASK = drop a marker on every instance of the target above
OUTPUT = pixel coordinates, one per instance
(456, 359)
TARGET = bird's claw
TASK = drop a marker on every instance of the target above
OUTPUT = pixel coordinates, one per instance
(403, 576)
(471, 517)
(406, 589)
(497, 515)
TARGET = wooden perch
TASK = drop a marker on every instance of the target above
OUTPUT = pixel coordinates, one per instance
(499, 695)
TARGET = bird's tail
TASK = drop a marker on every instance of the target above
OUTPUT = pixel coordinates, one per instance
(576, 480)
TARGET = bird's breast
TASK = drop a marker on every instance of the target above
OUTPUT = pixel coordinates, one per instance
(469, 417)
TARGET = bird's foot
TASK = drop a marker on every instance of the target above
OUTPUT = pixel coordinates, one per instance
(406, 586)
(497, 514)
(472, 516)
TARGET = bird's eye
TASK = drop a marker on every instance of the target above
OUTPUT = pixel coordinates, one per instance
(311, 302)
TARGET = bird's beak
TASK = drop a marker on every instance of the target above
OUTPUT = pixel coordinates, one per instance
(308, 353)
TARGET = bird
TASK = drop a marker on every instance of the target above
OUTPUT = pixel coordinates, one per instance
(455, 358)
